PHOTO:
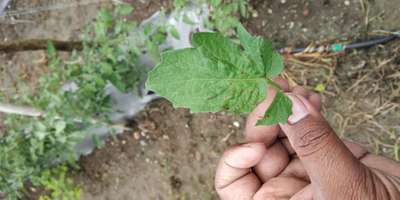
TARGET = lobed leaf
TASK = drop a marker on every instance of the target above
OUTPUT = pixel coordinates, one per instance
(218, 74)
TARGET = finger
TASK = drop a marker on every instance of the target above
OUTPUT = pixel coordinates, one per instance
(266, 134)
(374, 161)
(233, 176)
(274, 161)
(287, 146)
(299, 90)
(382, 163)
(315, 100)
(280, 188)
(357, 150)
(295, 169)
(305, 194)
(327, 160)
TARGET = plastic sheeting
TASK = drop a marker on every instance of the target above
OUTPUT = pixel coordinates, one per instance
(3, 6)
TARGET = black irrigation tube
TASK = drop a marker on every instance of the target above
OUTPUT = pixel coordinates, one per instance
(41, 44)
(340, 47)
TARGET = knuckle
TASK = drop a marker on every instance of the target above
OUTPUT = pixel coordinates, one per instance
(313, 136)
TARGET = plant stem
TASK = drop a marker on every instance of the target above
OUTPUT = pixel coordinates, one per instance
(273, 84)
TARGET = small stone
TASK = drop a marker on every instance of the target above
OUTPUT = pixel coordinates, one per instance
(347, 2)
(136, 135)
(291, 25)
(283, 1)
(147, 160)
(263, 23)
(254, 14)
(236, 124)
(306, 12)
(165, 137)
(123, 142)
(197, 156)
(142, 143)
(269, 11)
(147, 126)
(143, 134)
(304, 29)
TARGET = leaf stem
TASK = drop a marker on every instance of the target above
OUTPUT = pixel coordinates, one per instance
(273, 84)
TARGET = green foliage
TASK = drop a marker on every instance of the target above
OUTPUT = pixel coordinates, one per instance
(217, 74)
(55, 181)
(31, 147)
(178, 4)
(224, 14)
(154, 36)
(278, 111)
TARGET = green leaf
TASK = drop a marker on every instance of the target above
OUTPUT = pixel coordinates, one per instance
(124, 10)
(219, 74)
(277, 65)
(217, 47)
(278, 112)
(60, 126)
(189, 79)
(174, 33)
(40, 134)
(320, 87)
(187, 20)
(178, 4)
(51, 50)
(147, 29)
(103, 16)
(259, 50)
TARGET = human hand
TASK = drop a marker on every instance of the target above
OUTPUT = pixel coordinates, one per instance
(302, 160)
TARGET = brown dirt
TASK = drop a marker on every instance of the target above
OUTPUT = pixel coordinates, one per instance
(172, 154)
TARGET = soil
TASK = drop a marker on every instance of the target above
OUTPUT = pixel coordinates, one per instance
(171, 153)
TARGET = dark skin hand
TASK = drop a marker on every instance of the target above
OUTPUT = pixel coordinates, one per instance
(302, 160)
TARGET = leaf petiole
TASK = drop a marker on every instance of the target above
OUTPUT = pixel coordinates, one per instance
(273, 84)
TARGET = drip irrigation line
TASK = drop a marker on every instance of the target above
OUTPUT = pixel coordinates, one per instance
(41, 44)
(341, 47)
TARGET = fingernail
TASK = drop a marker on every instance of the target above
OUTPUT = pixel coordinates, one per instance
(299, 110)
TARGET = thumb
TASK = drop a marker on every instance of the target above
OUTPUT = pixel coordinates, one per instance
(332, 168)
